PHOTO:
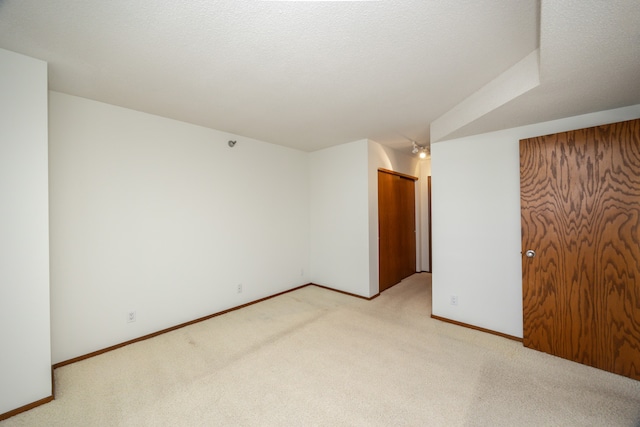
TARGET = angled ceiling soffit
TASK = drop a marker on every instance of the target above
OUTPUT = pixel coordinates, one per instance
(517, 80)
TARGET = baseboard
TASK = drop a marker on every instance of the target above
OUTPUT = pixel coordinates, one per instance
(25, 408)
(346, 293)
(477, 328)
(201, 319)
(172, 328)
(155, 334)
(33, 404)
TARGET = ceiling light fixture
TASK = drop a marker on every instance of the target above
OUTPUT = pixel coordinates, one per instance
(421, 151)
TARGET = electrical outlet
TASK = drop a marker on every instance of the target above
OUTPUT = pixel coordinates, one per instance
(454, 300)
(239, 288)
(131, 316)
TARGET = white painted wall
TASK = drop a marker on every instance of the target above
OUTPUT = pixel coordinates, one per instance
(164, 218)
(339, 209)
(476, 222)
(344, 213)
(25, 354)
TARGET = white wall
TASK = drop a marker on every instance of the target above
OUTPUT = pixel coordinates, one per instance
(25, 354)
(476, 222)
(339, 217)
(344, 213)
(164, 218)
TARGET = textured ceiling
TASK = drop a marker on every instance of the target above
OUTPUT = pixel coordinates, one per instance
(315, 74)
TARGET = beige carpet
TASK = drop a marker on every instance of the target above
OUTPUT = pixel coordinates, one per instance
(314, 357)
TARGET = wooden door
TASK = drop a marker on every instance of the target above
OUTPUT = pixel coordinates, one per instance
(407, 226)
(396, 228)
(580, 201)
(430, 238)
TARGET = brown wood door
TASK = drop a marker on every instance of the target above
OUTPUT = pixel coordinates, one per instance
(580, 201)
(430, 235)
(396, 228)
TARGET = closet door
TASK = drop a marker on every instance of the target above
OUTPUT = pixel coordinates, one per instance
(396, 227)
(580, 205)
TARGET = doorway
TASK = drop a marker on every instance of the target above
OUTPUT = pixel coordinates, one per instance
(396, 227)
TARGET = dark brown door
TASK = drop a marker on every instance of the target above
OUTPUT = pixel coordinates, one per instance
(430, 246)
(580, 200)
(396, 228)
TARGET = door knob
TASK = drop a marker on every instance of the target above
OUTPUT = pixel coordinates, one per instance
(530, 253)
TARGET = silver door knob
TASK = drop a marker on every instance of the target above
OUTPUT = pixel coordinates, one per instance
(530, 253)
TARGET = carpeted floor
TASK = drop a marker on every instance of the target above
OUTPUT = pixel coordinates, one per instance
(315, 357)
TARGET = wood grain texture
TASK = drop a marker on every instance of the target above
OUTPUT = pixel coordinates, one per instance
(429, 226)
(388, 255)
(407, 237)
(396, 228)
(580, 205)
(404, 175)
